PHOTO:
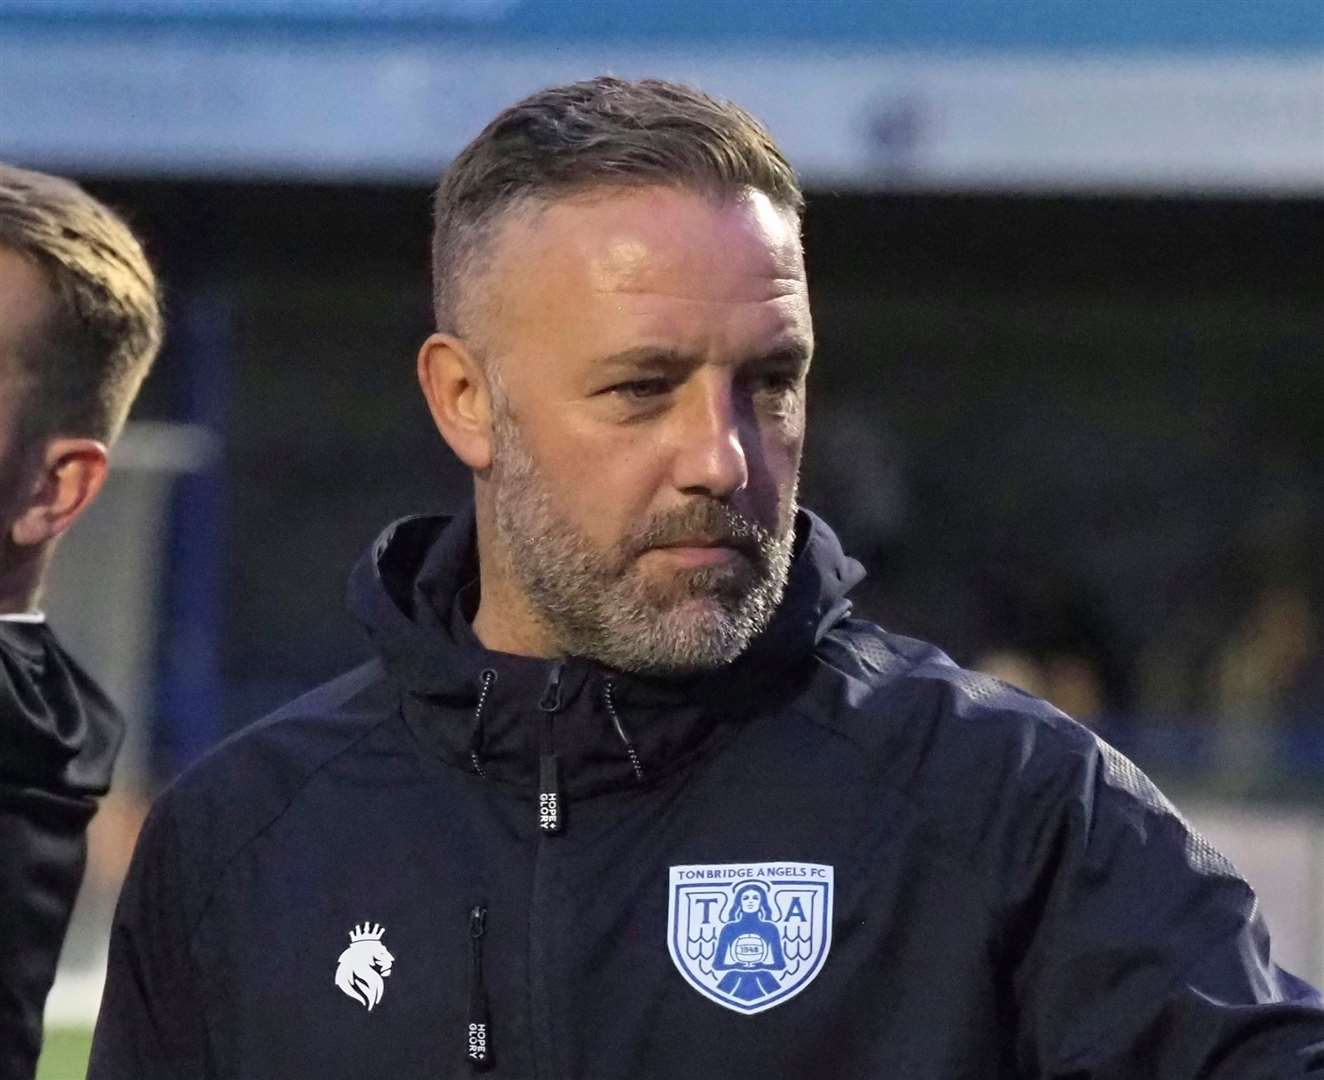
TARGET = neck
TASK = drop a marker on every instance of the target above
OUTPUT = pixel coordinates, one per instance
(497, 629)
(20, 587)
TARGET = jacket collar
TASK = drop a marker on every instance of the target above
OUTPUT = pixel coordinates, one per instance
(498, 714)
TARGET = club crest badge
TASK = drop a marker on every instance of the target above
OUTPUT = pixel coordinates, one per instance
(750, 935)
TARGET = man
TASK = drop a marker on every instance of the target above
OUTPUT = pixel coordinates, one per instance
(626, 792)
(79, 327)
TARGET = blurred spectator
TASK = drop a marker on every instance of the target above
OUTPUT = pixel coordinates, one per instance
(1267, 675)
(1052, 639)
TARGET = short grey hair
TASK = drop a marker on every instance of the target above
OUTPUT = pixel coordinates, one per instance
(604, 132)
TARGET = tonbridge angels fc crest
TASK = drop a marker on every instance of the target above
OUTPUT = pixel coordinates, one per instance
(750, 935)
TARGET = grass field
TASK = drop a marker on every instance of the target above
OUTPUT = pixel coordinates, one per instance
(64, 1054)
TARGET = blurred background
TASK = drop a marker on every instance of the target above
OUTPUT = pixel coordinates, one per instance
(1068, 404)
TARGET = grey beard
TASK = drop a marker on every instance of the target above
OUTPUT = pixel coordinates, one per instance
(597, 604)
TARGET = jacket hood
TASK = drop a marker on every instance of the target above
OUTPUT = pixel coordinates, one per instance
(405, 589)
(569, 725)
(61, 732)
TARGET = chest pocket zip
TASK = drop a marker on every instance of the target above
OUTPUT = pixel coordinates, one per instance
(478, 1033)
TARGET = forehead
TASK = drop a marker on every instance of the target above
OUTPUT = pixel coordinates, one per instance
(654, 257)
(25, 302)
(635, 238)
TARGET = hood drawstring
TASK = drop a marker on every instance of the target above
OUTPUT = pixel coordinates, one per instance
(488, 678)
(607, 691)
(478, 1034)
(550, 813)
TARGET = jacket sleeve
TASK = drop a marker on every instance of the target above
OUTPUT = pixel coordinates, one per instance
(151, 1024)
(42, 852)
(59, 734)
(1145, 955)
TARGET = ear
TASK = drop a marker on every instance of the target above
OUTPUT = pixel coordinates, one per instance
(459, 398)
(69, 476)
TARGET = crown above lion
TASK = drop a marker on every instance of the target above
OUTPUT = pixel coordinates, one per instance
(367, 932)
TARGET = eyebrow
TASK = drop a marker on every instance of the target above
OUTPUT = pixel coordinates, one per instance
(795, 351)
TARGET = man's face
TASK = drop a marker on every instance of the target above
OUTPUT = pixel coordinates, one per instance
(650, 348)
(24, 306)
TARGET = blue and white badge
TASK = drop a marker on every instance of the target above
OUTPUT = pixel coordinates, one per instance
(750, 935)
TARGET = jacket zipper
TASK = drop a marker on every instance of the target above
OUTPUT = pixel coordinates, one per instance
(541, 908)
(550, 815)
(478, 1034)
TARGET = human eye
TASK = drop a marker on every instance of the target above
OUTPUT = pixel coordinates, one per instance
(641, 390)
(779, 381)
(777, 388)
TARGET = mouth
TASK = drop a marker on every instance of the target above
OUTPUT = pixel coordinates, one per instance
(698, 551)
(697, 542)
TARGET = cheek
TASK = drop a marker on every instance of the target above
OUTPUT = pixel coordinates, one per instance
(606, 485)
(782, 441)
(18, 476)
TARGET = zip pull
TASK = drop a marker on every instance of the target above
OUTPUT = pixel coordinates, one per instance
(549, 769)
(549, 793)
(551, 695)
(478, 1041)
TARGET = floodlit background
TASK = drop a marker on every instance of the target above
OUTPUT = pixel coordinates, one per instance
(1068, 405)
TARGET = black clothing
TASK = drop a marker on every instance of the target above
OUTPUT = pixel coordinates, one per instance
(496, 840)
(58, 738)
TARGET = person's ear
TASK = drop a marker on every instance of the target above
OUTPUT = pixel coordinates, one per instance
(459, 397)
(69, 475)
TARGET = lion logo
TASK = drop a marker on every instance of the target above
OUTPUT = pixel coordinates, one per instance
(362, 968)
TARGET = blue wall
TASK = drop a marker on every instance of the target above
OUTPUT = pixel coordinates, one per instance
(1201, 25)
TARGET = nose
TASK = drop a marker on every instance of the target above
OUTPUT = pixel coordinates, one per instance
(711, 456)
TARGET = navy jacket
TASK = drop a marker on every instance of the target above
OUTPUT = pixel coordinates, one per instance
(840, 856)
(59, 734)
